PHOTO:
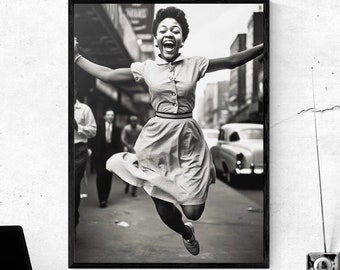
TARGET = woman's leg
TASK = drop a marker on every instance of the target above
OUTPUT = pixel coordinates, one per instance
(172, 217)
(193, 212)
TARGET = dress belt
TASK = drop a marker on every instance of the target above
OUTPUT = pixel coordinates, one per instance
(174, 115)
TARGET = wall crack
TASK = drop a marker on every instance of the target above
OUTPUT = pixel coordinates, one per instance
(320, 110)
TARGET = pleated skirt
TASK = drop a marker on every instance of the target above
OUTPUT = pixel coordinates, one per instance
(172, 162)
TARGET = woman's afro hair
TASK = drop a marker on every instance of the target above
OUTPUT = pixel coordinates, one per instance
(175, 13)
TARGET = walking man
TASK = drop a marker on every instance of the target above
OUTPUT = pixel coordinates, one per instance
(84, 128)
(107, 143)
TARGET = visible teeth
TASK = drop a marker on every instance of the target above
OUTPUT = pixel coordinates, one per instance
(168, 42)
(168, 45)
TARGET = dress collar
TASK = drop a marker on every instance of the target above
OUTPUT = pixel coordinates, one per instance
(161, 61)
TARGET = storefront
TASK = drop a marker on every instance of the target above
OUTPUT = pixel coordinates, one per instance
(107, 37)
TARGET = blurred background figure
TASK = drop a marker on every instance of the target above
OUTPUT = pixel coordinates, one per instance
(129, 137)
(85, 127)
(84, 181)
(107, 143)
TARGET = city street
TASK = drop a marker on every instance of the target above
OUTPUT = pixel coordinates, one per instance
(129, 230)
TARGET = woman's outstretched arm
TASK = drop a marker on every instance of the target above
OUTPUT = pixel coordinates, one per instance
(235, 60)
(103, 73)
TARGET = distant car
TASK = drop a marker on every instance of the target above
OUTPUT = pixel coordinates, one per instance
(211, 136)
(239, 150)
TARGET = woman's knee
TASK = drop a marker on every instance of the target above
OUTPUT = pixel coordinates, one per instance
(193, 212)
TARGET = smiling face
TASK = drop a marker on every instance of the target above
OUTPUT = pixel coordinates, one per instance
(169, 38)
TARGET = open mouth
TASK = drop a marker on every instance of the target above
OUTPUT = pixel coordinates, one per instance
(169, 45)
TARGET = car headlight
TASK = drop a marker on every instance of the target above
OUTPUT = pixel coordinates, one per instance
(239, 161)
(252, 167)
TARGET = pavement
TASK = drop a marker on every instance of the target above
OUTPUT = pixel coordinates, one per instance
(130, 231)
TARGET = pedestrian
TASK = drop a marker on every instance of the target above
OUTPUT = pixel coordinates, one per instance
(129, 137)
(106, 143)
(85, 127)
(172, 161)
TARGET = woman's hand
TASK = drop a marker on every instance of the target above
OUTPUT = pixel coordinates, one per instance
(76, 50)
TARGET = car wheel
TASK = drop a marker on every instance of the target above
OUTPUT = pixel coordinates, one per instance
(227, 177)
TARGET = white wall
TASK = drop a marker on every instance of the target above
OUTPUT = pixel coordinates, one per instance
(33, 137)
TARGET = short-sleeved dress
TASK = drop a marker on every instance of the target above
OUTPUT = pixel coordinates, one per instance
(172, 160)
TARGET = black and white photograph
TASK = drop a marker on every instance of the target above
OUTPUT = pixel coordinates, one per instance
(166, 135)
(169, 134)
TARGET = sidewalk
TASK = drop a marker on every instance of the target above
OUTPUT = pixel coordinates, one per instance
(227, 231)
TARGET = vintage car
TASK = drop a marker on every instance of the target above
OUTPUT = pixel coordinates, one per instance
(211, 136)
(239, 151)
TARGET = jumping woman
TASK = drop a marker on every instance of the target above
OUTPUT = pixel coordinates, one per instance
(172, 161)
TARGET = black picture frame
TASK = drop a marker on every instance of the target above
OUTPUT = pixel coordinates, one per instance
(74, 238)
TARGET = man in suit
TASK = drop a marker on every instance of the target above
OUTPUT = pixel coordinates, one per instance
(107, 143)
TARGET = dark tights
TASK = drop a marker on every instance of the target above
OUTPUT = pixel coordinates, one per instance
(172, 217)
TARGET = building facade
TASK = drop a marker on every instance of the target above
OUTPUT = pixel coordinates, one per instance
(212, 106)
(248, 82)
(237, 84)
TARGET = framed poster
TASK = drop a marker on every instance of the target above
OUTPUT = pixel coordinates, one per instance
(206, 116)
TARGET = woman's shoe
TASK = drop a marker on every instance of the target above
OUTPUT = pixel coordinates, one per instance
(192, 244)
